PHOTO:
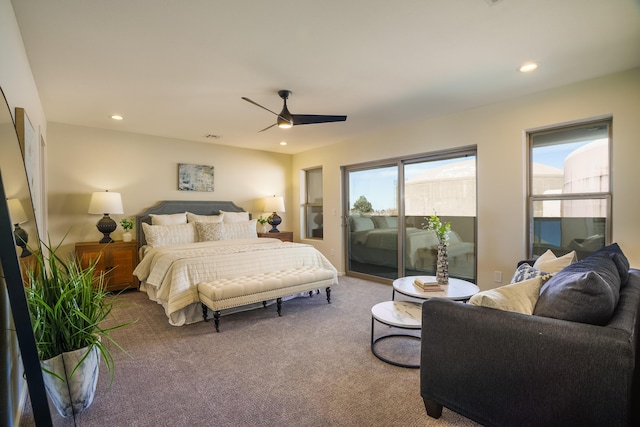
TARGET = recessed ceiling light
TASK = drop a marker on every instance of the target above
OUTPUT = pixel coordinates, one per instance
(283, 143)
(528, 67)
(117, 117)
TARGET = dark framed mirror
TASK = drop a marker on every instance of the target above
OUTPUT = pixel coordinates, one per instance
(18, 232)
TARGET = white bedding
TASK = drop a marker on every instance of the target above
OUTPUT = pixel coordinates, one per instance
(170, 274)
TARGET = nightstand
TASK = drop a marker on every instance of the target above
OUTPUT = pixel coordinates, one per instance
(285, 236)
(117, 260)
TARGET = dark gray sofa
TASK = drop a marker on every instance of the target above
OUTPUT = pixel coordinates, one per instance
(501, 368)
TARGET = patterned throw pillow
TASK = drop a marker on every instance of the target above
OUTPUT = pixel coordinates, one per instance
(210, 231)
(526, 272)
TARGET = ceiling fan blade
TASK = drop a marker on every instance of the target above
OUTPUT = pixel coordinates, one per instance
(258, 105)
(268, 127)
(308, 119)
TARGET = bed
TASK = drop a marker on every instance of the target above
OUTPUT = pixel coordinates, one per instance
(181, 245)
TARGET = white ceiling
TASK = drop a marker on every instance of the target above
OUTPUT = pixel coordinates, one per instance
(178, 68)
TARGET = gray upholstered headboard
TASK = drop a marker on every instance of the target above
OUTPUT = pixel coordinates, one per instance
(198, 207)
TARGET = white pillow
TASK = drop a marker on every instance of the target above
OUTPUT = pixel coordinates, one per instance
(165, 235)
(361, 223)
(234, 216)
(191, 217)
(240, 230)
(551, 264)
(518, 297)
(179, 218)
(210, 231)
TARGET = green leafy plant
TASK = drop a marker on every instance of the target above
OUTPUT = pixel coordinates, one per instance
(441, 229)
(262, 221)
(127, 224)
(68, 305)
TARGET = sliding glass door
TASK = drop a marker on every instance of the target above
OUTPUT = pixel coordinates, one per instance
(385, 222)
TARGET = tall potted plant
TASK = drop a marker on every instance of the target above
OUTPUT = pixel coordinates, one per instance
(68, 304)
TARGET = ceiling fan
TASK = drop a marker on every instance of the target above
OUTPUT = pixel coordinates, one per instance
(286, 119)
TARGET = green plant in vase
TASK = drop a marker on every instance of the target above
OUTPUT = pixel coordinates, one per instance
(127, 225)
(442, 231)
(68, 305)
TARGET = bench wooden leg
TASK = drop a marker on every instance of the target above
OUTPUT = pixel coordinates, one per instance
(279, 305)
(216, 320)
(328, 295)
(205, 312)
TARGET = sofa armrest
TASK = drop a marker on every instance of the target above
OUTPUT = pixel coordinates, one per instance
(501, 368)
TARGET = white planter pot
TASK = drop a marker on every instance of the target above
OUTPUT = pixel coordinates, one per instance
(126, 236)
(75, 394)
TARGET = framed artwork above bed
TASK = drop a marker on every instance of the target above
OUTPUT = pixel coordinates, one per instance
(195, 177)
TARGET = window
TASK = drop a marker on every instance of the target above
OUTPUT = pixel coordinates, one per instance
(386, 205)
(569, 189)
(313, 203)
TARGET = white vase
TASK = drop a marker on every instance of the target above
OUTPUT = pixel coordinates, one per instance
(126, 236)
(75, 394)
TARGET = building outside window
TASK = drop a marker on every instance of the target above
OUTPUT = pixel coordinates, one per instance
(569, 189)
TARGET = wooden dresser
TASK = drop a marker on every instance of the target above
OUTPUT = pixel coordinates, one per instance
(117, 261)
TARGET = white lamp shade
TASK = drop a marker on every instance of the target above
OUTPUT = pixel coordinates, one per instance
(105, 202)
(16, 211)
(274, 204)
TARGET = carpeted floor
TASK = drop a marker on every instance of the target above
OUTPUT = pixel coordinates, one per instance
(311, 367)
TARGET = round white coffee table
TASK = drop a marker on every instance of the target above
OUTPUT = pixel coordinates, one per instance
(457, 289)
(399, 314)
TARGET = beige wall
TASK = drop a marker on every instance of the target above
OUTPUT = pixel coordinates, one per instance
(18, 85)
(144, 169)
(498, 131)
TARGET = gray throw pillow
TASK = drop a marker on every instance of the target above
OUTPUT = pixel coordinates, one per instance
(586, 291)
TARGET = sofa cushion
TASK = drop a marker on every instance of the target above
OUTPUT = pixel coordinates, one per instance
(520, 297)
(586, 291)
(550, 263)
(619, 259)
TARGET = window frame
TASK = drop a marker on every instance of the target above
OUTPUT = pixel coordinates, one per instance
(531, 198)
(307, 205)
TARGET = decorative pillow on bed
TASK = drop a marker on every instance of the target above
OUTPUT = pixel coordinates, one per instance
(191, 217)
(550, 263)
(234, 216)
(361, 223)
(178, 218)
(209, 231)
(240, 230)
(165, 235)
(518, 297)
(385, 221)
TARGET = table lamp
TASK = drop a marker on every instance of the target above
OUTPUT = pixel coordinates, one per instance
(18, 216)
(105, 202)
(274, 204)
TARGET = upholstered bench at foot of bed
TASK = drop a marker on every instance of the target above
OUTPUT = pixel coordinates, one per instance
(238, 291)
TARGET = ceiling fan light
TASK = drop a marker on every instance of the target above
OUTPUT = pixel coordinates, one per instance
(284, 124)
